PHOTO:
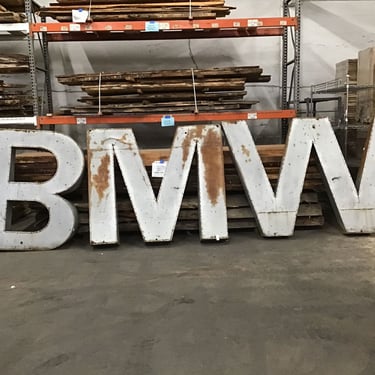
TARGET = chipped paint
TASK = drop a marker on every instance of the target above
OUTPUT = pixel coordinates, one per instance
(245, 151)
(193, 133)
(213, 164)
(100, 181)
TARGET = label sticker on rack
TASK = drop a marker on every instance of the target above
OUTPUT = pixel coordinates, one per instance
(74, 27)
(252, 23)
(164, 26)
(80, 15)
(152, 26)
(158, 168)
(81, 121)
(252, 116)
(167, 120)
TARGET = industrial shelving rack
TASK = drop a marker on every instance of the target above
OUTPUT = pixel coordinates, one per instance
(174, 29)
(21, 31)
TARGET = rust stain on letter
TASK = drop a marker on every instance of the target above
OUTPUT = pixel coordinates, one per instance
(191, 134)
(100, 180)
(213, 160)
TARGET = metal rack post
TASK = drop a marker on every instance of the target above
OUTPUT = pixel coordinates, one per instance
(297, 58)
(284, 73)
(296, 62)
(30, 47)
(47, 71)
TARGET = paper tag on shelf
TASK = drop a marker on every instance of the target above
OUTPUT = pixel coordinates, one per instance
(81, 120)
(80, 15)
(252, 23)
(152, 26)
(164, 26)
(167, 120)
(252, 116)
(74, 27)
(158, 168)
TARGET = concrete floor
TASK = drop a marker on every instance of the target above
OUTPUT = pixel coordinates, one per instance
(304, 305)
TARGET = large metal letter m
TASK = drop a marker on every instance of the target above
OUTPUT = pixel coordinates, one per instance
(156, 216)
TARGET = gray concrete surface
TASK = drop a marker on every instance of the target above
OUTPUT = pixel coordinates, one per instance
(304, 305)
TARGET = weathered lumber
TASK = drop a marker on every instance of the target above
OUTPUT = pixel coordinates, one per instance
(15, 63)
(122, 10)
(168, 91)
(164, 97)
(249, 73)
(13, 101)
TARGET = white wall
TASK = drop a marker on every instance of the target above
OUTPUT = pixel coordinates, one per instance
(332, 31)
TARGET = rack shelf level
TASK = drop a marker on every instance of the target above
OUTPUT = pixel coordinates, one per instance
(157, 118)
(162, 26)
(10, 27)
(18, 120)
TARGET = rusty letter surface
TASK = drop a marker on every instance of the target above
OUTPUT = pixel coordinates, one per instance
(62, 214)
(276, 213)
(156, 217)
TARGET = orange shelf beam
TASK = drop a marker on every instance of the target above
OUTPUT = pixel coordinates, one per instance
(158, 26)
(156, 118)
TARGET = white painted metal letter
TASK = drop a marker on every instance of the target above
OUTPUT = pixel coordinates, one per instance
(276, 212)
(156, 217)
(62, 214)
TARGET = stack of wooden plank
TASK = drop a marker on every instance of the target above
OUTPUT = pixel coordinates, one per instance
(14, 101)
(137, 10)
(366, 77)
(343, 69)
(41, 166)
(346, 72)
(7, 16)
(219, 89)
(15, 63)
(17, 6)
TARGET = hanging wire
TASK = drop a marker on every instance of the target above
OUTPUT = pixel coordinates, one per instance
(89, 15)
(100, 95)
(190, 11)
(192, 55)
(194, 92)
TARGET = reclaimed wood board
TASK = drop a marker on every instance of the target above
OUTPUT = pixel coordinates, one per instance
(12, 11)
(123, 10)
(164, 91)
(14, 100)
(15, 63)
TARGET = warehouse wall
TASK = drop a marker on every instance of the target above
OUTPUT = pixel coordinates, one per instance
(332, 31)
